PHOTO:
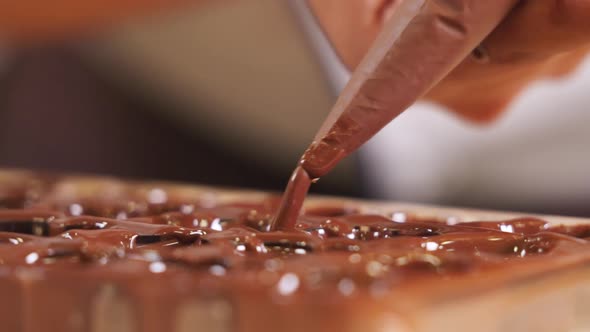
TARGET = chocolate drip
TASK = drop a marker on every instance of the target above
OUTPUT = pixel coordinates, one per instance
(292, 200)
(419, 45)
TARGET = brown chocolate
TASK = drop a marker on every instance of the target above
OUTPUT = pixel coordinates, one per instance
(167, 258)
(422, 42)
(292, 200)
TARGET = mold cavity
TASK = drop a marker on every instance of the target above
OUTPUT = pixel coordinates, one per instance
(33, 227)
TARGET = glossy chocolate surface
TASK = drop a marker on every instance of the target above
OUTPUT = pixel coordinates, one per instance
(156, 246)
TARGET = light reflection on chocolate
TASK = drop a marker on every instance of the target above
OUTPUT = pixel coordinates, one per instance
(224, 253)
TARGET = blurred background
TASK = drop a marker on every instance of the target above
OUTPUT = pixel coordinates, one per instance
(223, 93)
(231, 93)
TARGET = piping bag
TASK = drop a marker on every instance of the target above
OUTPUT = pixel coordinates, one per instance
(421, 43)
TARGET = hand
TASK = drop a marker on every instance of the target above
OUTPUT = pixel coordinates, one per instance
(540, 38)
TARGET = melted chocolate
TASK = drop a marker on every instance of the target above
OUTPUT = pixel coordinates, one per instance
(148, 249)
(419, 45)
(292, 200)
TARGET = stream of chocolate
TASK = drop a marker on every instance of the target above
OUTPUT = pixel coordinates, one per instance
(292, 201)
(422, 42)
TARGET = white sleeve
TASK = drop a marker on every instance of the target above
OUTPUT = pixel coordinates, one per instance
(537, 156)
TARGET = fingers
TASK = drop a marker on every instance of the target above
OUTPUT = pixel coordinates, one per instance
(539, 38)
(539, 29)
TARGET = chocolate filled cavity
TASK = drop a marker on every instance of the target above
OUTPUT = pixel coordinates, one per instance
(217, 265)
